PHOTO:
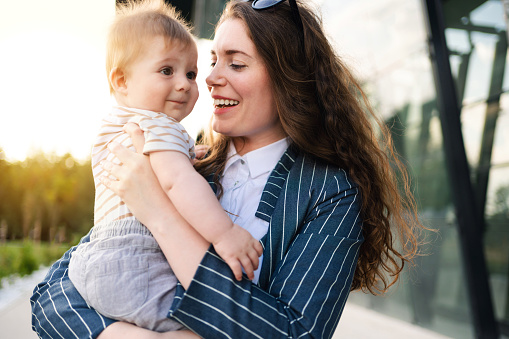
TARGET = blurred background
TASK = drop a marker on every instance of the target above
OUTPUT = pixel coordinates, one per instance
(435, 71)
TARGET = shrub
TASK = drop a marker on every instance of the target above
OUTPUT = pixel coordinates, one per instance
(23, 258)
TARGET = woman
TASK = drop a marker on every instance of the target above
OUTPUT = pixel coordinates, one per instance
(296, 162)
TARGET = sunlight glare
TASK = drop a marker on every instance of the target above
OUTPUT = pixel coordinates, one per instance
(53, 83)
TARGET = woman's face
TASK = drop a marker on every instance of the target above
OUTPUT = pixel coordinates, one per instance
(240, 86)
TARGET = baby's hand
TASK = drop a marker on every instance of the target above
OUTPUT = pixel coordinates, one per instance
(200, 152)
(239, 249)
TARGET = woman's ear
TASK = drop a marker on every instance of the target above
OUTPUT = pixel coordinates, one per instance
(118, 80)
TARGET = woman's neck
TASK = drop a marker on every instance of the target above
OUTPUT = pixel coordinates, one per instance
(244, 145)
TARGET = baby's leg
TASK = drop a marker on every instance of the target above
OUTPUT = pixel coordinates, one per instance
(129, 279)
(130, 331)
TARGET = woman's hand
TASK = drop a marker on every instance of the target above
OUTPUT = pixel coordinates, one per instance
(139, 188)
(135, 181)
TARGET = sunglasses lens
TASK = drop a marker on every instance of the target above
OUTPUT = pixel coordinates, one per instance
(262, 4)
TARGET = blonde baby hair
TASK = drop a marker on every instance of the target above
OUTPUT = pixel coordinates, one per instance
(137, 21)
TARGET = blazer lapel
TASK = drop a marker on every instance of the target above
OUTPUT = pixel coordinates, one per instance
(266, 207)
(269, 199)
(274, 184)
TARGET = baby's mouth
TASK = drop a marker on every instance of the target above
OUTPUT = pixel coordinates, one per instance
(221, 103)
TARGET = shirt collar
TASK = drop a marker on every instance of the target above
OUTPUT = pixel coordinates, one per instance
(261, 160)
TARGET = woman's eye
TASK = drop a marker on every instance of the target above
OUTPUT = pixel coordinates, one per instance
(212, 64)
(191, 75)
(237, 67)
(167, 71)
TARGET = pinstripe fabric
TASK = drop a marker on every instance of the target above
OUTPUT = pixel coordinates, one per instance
(59, 311)
(310, 252)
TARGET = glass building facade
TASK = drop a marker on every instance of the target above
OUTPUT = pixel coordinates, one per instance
(435, 70)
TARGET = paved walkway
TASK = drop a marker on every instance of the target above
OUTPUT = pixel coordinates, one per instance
(361, 323)
(356, 322)
(15, 320)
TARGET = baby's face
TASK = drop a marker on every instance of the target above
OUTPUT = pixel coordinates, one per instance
(163, 79)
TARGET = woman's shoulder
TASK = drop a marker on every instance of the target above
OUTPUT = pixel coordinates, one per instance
(321, 172)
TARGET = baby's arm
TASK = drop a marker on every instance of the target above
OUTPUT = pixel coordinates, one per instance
(196, 202)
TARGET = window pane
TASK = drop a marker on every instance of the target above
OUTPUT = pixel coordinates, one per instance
(479, 64)
(385, 43)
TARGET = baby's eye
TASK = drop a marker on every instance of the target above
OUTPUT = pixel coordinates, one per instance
(191, 75)
(167, 71)
(212, 64)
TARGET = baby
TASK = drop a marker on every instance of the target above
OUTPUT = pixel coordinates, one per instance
(122, 272)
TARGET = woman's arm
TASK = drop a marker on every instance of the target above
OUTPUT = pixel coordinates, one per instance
(59, 311)
(121, 330)
(308, 284)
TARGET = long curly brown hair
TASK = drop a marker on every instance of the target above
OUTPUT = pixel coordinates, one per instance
(326, 114)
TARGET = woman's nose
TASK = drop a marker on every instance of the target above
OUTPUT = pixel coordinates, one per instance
(215, 77)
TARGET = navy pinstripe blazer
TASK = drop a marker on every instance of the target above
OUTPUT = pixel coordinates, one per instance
(310, 255)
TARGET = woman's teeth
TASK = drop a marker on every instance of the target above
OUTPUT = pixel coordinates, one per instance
(223, 103)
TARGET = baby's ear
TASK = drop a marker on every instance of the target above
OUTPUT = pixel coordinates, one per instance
(118, 80)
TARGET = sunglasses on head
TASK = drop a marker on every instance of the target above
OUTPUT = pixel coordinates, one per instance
(264, 4)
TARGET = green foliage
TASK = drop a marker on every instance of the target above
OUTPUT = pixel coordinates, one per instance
(23, 258)
(8, 260)
(46, 196)
(28, 262)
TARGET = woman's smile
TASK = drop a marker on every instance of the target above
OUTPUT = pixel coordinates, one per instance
(223, 105)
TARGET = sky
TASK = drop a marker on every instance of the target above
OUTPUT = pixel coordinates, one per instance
(54, 91)
(53, 85)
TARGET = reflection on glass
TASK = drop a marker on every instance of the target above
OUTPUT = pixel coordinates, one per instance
(496, 238)
(385, 42)
(500, 155)
(479, 66)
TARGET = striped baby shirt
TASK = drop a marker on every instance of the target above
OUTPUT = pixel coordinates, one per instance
(162, 133)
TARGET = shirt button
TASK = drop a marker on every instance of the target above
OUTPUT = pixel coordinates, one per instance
(242, 162)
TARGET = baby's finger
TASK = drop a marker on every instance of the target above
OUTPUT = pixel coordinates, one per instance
(253, 256)
(201, 151)
(136, 134)
(259, 248)
(236, 268)
(248, 267)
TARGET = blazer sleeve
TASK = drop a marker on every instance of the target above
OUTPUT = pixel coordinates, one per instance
(307, 289)
(59, 311)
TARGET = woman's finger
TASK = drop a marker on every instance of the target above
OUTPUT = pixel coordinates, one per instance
(136, 135)
(112, 169)
(112, 184)
(121, 152)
